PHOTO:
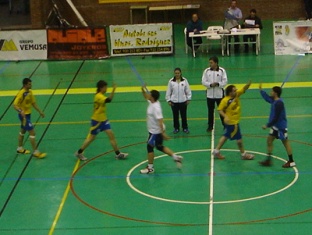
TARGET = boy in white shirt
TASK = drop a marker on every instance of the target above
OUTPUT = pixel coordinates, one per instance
(156, 129)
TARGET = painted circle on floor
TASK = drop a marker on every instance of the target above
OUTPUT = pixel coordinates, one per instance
(131, 185)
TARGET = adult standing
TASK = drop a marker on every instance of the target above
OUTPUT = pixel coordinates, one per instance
(156, 131)
(178, 96)
(23, 103)
(252, 21)
(214, 79)
(194, 25)
(233, 15)
(277, 124)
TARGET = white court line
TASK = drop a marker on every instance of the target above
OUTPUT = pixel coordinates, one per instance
(210, 223)
(128, 179)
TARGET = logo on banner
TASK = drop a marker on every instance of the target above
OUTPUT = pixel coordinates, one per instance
(6, 45)
(29, 45)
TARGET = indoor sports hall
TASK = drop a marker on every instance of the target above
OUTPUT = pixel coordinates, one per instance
(62, 195)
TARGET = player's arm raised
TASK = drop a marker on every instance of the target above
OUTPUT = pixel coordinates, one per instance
(144, 92)
(245, 88)
(113, 92)
(264, 95)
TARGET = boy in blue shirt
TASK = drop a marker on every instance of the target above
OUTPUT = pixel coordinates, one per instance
(278, 124)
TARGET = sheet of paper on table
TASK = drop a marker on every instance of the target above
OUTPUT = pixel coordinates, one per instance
(250, 22)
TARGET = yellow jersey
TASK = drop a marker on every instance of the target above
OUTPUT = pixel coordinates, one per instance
(99, 108)
(24, 100)
(232, 107)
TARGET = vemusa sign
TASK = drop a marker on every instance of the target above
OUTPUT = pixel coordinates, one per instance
(23, 45)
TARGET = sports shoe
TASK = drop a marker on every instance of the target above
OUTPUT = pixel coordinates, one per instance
(175, 131)
(218, 155)
(39, 154)
(23, 151)
(266, 163)
(248, 156)
(178, 161)
(147, 170)
(289, 164)
(80, 156)
(186, 131)
(121, 156)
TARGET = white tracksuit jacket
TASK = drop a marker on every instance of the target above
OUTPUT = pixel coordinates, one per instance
(178, 92)
(210, 76)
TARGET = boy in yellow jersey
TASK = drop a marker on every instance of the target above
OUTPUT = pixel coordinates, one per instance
(230, 110)
(23, 103)
(99, 121)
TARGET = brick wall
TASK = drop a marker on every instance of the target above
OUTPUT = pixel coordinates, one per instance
(96, 14)
(36, 15)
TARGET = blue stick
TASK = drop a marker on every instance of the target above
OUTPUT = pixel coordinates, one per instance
(135, 71)
(292, 69)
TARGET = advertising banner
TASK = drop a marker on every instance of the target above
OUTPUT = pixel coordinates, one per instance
(23, 45)
(141, 39)
(82, 43)
(292, 38)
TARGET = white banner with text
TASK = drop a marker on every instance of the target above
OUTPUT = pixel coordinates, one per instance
(141, 39)
(292, 37)
(23, 45)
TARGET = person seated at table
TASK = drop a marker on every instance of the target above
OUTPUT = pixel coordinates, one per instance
(232, 17)
(252, 21)
(194, 25)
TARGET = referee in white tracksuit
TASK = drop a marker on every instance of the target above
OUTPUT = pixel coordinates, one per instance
(178, 96)
(214, 79)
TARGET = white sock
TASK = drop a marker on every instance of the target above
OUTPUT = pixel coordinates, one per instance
(174, 156)
(216, 151)
(243, 154)
(150, 165)
(20, 148)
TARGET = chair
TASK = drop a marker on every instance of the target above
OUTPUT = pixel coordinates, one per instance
(185, 41)
(214, 35)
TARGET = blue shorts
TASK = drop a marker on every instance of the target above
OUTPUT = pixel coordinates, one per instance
(279, 134)
(232, 132)
(155, 140)
(26, 123)
(97, 127)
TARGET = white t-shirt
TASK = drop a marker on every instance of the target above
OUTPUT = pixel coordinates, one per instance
(154, 113)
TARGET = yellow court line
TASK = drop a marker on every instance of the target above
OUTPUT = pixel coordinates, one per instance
(59, 211)
(144, 120)
(74, 91)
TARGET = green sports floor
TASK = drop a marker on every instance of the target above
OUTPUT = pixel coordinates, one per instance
(61, 195)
